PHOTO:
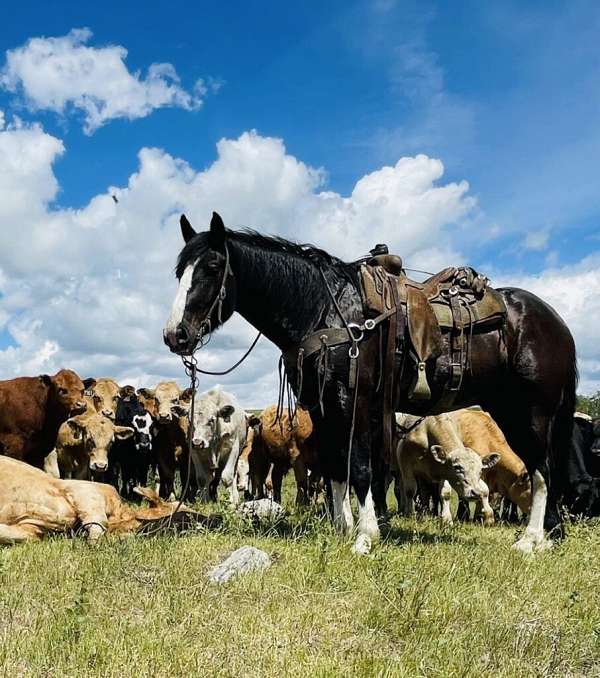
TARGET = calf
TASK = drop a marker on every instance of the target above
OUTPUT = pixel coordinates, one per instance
(219, 434)
(83, 445)
(132, 457)
(33, 504)
(508, 477)
(32, 410)
(170, 443)
(102, 395)
(582, 489)
(277, 447)
(434, 451)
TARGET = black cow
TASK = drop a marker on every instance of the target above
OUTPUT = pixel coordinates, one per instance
(132, 457)
(582, 496)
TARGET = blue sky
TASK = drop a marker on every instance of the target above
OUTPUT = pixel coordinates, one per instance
(506, 95)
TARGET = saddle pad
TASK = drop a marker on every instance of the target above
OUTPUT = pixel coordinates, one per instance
(488, 312)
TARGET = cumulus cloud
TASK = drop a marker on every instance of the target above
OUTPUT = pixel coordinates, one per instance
(91, 288)
(58, 74)
(574, 292)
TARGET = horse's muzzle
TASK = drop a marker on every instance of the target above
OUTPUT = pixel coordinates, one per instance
(179, 340)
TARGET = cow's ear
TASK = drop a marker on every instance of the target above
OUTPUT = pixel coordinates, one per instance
(187, 230)
(180, 410)
(490, 460)
(88, 383)
(46, 379)
(75, 426)
(216, 239)
(437, 452)
(123, 432)
(148, 493)
(226, 411)
(186, 395)
(146, 392)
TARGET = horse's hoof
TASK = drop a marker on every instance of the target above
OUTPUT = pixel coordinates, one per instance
(362, 545)
(525, 546)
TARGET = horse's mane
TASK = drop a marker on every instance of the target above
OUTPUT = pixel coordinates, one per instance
(199, 245)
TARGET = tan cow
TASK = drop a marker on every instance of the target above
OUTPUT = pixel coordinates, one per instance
(83, 444)
(433, 450)
(277, 447)
(102, 395)
(33, 504)
(509, 476)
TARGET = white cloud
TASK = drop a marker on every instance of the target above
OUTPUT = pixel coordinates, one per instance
(537, 240)
(92, 288)
(56, 74)
(574, 292)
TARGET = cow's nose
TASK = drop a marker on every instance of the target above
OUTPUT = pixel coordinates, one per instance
(99, 466)
(108, 413)
(198, 442)
(164, 417)
(80, 405)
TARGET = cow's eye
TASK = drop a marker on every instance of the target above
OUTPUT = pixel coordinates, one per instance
(62, 391)
(458, 468)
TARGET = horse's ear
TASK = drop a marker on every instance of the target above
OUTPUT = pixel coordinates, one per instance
(217, 233)
(187, 230)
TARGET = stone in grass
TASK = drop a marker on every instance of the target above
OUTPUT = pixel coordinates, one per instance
(266, 509)
(242, 560)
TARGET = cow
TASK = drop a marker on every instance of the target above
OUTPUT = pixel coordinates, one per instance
(131, 457)
(102, 395)
(582, 487)
(31, 411)
(508, 477)
(434, 451)
(219, 434)
(33, 504)
(83, 445)
(170, 443)
(277, 447)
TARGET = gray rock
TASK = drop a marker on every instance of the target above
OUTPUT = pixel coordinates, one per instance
(243, 560)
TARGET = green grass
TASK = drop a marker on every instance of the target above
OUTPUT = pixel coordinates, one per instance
(428, 602)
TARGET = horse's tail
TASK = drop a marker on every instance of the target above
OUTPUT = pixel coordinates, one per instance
(562, 426)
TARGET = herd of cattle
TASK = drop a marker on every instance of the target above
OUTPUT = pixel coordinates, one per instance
(59, 432)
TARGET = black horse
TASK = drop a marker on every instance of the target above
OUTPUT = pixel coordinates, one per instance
(525, 374)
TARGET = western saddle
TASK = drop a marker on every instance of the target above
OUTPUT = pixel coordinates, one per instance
(455, 303)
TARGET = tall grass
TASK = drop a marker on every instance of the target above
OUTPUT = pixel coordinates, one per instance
(428, 602)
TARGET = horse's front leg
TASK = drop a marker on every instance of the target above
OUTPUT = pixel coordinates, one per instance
(362, 476)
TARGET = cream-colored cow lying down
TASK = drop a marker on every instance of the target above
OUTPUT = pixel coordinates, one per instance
(33, 504)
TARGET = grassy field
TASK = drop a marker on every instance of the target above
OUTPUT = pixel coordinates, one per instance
(427, 602)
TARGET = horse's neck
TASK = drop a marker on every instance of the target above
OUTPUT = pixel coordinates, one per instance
(281, 295)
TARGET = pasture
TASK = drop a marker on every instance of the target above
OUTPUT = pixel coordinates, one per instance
(428, 602)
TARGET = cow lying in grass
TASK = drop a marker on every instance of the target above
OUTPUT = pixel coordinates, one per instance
(34, 504)
(433, 450)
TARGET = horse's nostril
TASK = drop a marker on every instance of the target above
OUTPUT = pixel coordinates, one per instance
(181, 335)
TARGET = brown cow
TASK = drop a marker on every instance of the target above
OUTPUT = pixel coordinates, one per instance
(33, 504)
(277, 447)
(170, 446)
(83, 444)
(509, 476)
(32, 410)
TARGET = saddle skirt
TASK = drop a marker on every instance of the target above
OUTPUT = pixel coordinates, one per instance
(454, 303)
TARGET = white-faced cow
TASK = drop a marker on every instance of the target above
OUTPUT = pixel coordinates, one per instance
(220, 428)
(434, 451)
(170, 444)
(131, 458)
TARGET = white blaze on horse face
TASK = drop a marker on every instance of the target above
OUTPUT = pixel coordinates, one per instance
(178, 307)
